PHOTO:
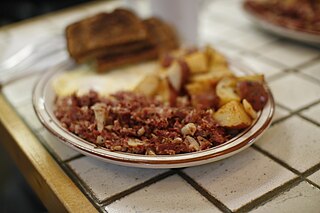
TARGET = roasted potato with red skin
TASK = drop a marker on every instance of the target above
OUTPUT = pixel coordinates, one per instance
(233, 116)
(253, 92)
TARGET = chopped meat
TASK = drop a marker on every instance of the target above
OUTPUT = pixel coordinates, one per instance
(134, 123)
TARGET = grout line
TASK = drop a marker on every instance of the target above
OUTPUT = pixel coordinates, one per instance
(311, 171)
(81, 185)
(308, 63)
(276, 159)
(269, 195)
(277, 76)
(204, 192)
(137, 187)
(312, 183)
(308, 77)
(69, 172)
(297, 112)
(308, 119)
(73, 158)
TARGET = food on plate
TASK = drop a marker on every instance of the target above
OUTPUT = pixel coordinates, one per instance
(118, 38)
(192, 102)
(300, 15)
(132, 122)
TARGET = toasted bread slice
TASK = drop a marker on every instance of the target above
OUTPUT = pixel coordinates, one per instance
(161, 34)
(161, 38)
(114, 61)
(104, 30)
(114, 50)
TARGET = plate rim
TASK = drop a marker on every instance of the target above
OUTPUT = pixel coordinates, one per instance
(136, 160)
(298, 35)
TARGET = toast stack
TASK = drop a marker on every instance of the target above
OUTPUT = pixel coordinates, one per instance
(118, 38)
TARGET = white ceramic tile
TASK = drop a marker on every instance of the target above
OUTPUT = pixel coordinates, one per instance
(295, 141)
(241, 178)
(209, 30)
(312, 113)
(259, 65)
(4, 41)
(226, 35)
(25, 34)
(60, 21)
(63, 151)
(289, 53)
(105, 180)
(279, 113)
(302, 198)
(104, 6)
(294, 92)
(253, 41)
(28, 114)
(172, 194)
(221, 8)
(21, 90)
(315, 177)
(313, 70)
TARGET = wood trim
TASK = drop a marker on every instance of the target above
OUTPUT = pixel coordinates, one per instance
(53, 187)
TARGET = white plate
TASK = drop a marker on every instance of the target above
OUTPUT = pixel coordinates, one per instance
(283, 31)
(43, 101)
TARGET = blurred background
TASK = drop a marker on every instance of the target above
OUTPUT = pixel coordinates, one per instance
(17, 10)
(15, 194)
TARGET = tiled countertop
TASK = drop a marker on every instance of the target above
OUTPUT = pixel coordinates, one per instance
(279, 173)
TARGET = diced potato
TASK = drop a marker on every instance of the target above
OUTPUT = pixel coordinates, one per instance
(199, 87)
(249, 109)
(233, 116)
(163, 91)
(197, 62)
(226, 90)
(215, 58)
(202, 94)
(258, 78)
(214, 74)
(148, 86)
(174, 74)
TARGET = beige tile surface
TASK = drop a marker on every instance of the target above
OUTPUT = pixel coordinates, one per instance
(279, 113)
(259, 65)
(313, 70)
(312, 113)
(26, 110)
(105, 180)
(294, 92)
(172, 194)
(63, 151)
(289, 53)
(254, 41)
(302, 198)
(315, 177)
(240, 179)
(20, 91)
(295, 141)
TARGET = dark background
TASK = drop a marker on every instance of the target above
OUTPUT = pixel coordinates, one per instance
(17, 10)
(15, 194)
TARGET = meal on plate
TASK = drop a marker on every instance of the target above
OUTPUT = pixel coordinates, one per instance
(192, 102)
(301, 15)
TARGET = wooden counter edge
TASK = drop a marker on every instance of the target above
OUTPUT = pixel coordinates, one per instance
(53, 187)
